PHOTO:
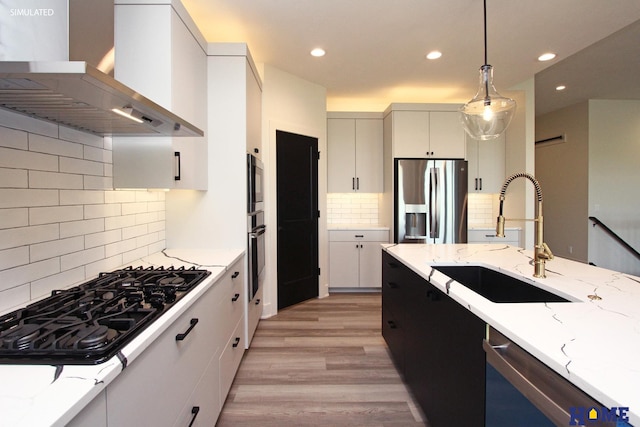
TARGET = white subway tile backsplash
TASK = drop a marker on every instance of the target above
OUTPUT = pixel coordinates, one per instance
(14, 257)
(20, 159)
(39, 179)
(14, 178)
(11, 218)
(97, 154)
(15, 297)
(79, 228)
(61, 221)
(103, 238)
(128, 257)
(135, 231)
(85, 167)
(20, 275)
(48, 145)
(56, 248)
(120, 247)
(73, 135)
(121, 196)
(76, 259)
(353, 208)
(14, 198)
(112, 223)
(82, 197)
(12, 138)
(54, 214)
(14, 237)
(43, 287)
(97, 182)
(101, 211)
(21, 122)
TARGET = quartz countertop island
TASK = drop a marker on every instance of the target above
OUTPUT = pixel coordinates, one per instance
(592, 341)
(45, 395)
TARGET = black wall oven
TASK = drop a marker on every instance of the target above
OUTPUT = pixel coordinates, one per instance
(255, 224)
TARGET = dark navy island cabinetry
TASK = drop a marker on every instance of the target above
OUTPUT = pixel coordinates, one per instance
(436, 344)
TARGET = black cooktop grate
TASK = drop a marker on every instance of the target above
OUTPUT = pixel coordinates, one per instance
(90, 323)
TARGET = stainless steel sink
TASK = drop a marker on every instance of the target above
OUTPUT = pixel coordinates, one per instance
(497, 287)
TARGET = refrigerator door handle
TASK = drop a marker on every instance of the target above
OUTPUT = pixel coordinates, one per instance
(434, 212)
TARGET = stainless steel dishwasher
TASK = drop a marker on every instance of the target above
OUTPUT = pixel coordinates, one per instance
(522, 391)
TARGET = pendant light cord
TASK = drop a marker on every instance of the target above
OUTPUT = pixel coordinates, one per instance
(485, 32)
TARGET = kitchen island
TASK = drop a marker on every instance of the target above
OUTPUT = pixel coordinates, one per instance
(46, 395)
(592, 341)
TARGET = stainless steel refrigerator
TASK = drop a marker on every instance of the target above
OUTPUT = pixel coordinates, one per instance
(430, 201)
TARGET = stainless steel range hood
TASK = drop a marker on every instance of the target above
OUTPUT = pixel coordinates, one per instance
(75, 94)
(51, 54)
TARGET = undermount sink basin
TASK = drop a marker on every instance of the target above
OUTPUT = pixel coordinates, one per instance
(496, 286)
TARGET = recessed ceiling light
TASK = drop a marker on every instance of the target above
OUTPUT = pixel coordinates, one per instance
(434, 54)
(318, 52)
(546, 57)
(561, 87)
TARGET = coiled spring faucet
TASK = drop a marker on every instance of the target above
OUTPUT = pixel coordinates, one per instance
(541, 251)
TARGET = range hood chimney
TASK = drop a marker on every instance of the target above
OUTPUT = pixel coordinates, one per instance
(56, 64)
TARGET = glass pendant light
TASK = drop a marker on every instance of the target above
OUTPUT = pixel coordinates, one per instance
(488, 114)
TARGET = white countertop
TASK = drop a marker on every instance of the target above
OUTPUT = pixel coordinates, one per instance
(595, 344)
(45, 395)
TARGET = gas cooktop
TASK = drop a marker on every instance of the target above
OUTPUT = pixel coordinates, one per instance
(90, 323)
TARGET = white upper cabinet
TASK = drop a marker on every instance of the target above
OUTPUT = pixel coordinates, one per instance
(160, 53)
(486, 165)
(354, 147)
(423, 133)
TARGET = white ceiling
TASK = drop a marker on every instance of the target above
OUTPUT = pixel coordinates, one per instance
(376, 48)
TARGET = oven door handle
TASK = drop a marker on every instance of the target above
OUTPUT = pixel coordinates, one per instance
(258, 231)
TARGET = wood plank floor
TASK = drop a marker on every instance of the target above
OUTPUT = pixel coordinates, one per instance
(320, 363)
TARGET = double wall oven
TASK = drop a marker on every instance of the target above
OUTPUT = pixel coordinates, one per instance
(255, 224)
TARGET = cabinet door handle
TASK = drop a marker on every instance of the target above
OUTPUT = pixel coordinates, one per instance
(353, 183)
(194, 412)
(177, 160)
(235, 298)
(476, 184)
(480, 179)
(257, 302)
(182, 336)
(235, 274)
(392, 324)
(357, 183)
(236, 342)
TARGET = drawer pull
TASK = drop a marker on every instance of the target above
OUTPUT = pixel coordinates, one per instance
(235, 274)
(194, 412)
(392, 264)
(257, 302)
(392, 324)
(359, 235)
(182, 336)
(235, 297)
(392, 285)
(236, 342)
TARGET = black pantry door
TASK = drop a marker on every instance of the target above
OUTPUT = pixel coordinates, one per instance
(297, 203)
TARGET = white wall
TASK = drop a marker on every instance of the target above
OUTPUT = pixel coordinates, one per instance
(61, 222)
(614, 181)
(294, 105)
(562, 168)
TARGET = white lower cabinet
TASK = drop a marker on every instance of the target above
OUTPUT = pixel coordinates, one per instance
(94, 414)
(354, 258)
(171, 377)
